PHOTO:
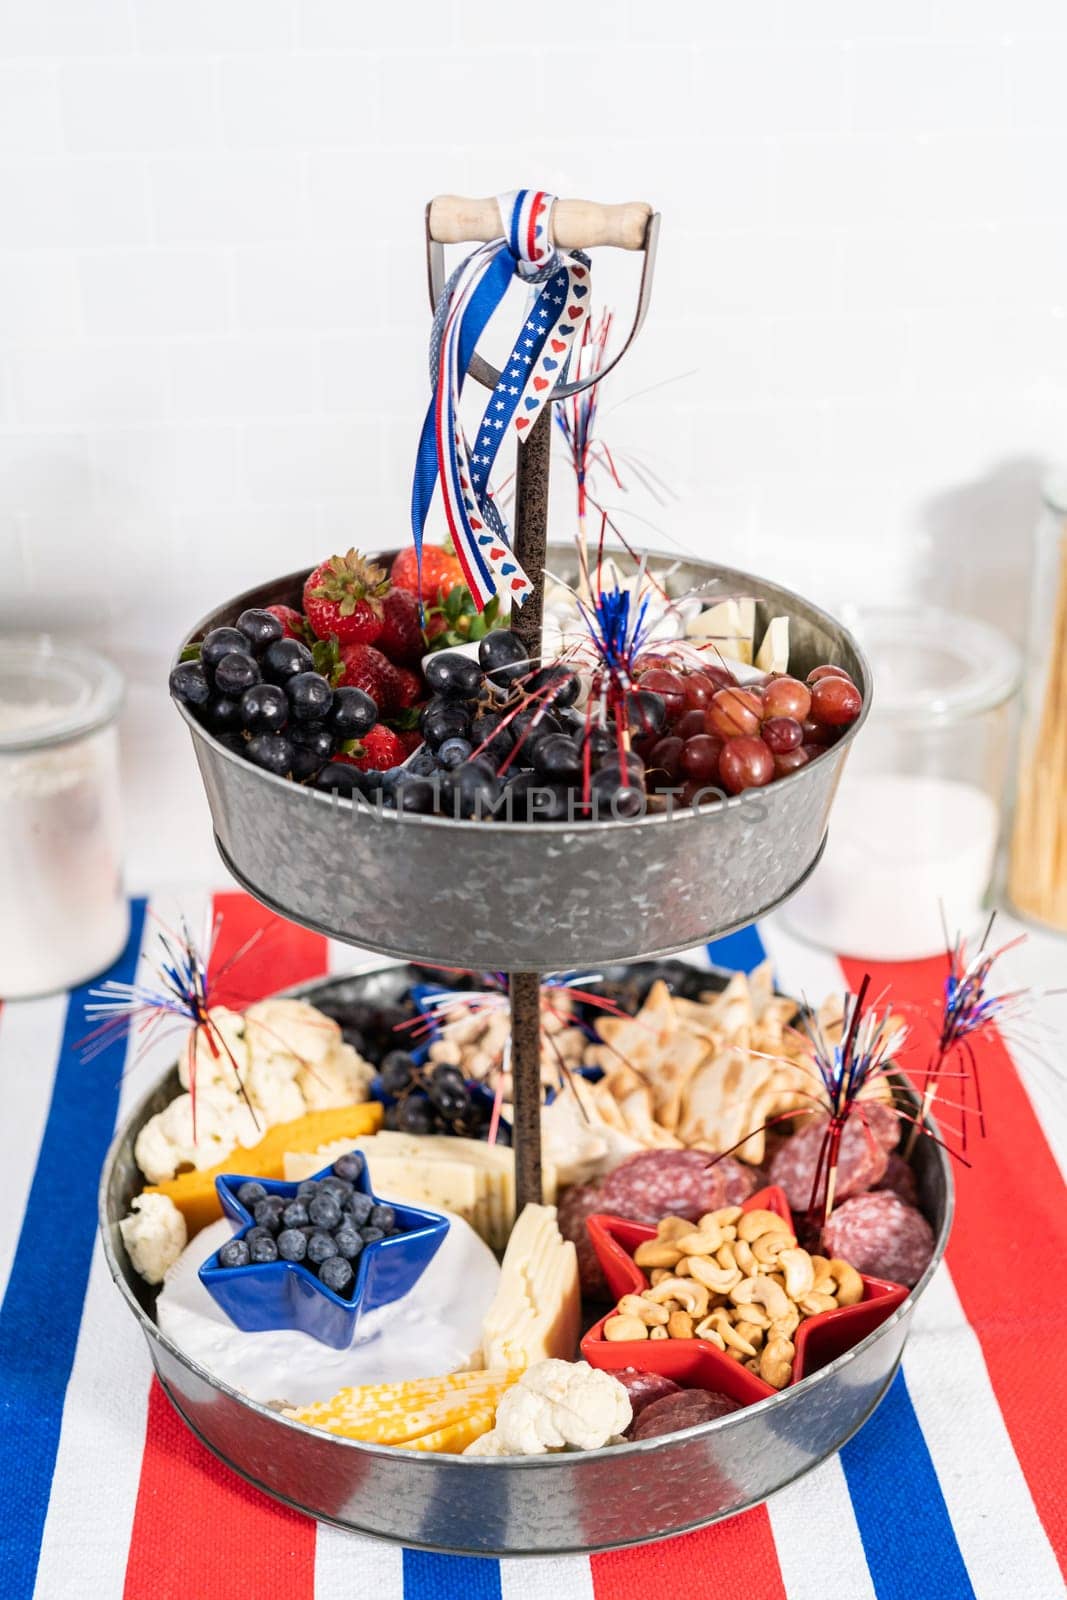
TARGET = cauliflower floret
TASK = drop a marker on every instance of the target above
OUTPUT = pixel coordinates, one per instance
(166, 1141)
(561, 1404)
(273, 1089)
(215, 1053)
(341, 1078)
(489, 1444)
(154, 1234)
(290, 1028)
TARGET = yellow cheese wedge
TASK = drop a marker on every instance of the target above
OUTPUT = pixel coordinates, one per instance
(773, 653)
(398, 1413)
(536, 1313)
(194, 1192)
(729, 626)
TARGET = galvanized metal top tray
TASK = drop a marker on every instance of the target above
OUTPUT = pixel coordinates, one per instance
(518, 1506)
(531, 896)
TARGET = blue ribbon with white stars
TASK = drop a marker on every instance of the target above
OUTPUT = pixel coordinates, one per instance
(552, 322)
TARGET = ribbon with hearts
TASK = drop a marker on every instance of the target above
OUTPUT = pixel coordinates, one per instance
(557, 305)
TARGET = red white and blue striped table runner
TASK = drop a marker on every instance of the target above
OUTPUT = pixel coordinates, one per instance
(956, 1487)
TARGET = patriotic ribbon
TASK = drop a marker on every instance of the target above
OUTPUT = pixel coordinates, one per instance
(557, 305)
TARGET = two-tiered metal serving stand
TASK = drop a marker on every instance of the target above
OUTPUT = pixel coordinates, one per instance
(527, 898)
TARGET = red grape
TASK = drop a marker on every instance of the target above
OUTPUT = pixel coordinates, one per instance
(697, 787)
(718, 675)
(698, 690)
(700, 757)
(780, 734)
(690, 724)
(827, 671)
(817, 732)
(745, 763)
(790, 760)
(664, 760)
(733, 712)
(670, 688)
(835, 701)
(787, 697)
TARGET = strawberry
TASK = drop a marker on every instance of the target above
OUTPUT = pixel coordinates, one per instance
(410, 689)
(364, 667)
(293, 624)
(343, 599)
(440, 572)
(378, 750)
(410, 738)
(402, 638)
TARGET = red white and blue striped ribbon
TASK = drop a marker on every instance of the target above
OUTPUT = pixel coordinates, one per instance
(956, 1488)
(556, 307)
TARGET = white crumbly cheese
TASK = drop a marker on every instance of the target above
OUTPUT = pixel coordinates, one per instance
(154, 1234)
(558, 1405)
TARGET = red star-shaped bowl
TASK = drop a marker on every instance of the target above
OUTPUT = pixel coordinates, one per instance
(698, 1364)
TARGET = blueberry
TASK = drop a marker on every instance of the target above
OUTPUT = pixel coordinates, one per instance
(383, 1217)
(235, 673)
(454, 675)
(292, 1246)
(295, 1214)
(190, 683)
(310, 696)
(320, 1247)
(268, 1212)
(370, 1235)
(340, 1188)
(359, 1208)
(337, 1275)
(324, 1210)
(352, 713)
(417, 796)
(234, 1253)
(454, 752)
(257, 1233)
(285, 658)
(264, 708)
(423, 763)
(558, 758)
(348, 1241)
(349, 1167)
(272, 752)
(503, 656)
(222, 715)
(337, 777)
(307, 1188)
(397, 1071)
(219, 642)
(260, 628)
(263, 1249)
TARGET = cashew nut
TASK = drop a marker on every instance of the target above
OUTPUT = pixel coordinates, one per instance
(769, 1246)
(755, 1223)
(812, 1304)
(700, 1242)
(744, 1258)
(725, 1217)
(849, 1283)
(726, 1257)
(690, 1295)
(719, 1279)
(763, 1291)
(731, 1337)
(617, 1328)
(642, 1307)
(799, 1273)
(659, 1333)
(657, 1253)
(680, 1325)
(670, 1227)
(782, 1327)
(776, 1362)
(751, 1332)
(658, 1274)
(707, 1330)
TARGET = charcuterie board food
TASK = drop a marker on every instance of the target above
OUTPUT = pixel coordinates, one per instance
(710, 1297)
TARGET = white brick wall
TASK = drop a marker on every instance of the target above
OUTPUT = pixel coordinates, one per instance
(212, 297)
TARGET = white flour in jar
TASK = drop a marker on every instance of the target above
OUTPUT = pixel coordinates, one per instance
(63, 912)
(899, 848)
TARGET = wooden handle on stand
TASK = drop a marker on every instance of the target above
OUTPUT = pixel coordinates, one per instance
(576, 224)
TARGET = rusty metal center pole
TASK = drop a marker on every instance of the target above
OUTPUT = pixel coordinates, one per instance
(531, 533)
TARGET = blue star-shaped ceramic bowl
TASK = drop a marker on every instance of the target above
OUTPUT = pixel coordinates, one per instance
(286, 1294)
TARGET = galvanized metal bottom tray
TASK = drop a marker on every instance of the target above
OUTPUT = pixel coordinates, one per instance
(596, 1500)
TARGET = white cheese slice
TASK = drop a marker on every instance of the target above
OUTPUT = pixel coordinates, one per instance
(730, 625)
(773, 653)
(536, 1313)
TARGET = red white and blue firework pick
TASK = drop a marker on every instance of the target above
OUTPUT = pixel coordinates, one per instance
(178, 998)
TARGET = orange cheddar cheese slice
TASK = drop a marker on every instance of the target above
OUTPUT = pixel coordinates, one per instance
(438, 1409)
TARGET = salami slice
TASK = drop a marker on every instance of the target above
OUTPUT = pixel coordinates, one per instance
(664, 1183)
(740, 1181)
(900, 1179)
(575, 1204)
(862, 1157)
(880, 1236)
(682, 1410)
(644, 1387)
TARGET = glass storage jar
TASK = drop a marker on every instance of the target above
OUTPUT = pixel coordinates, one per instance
(1037, 882)
(913, 834)
(63, 911)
